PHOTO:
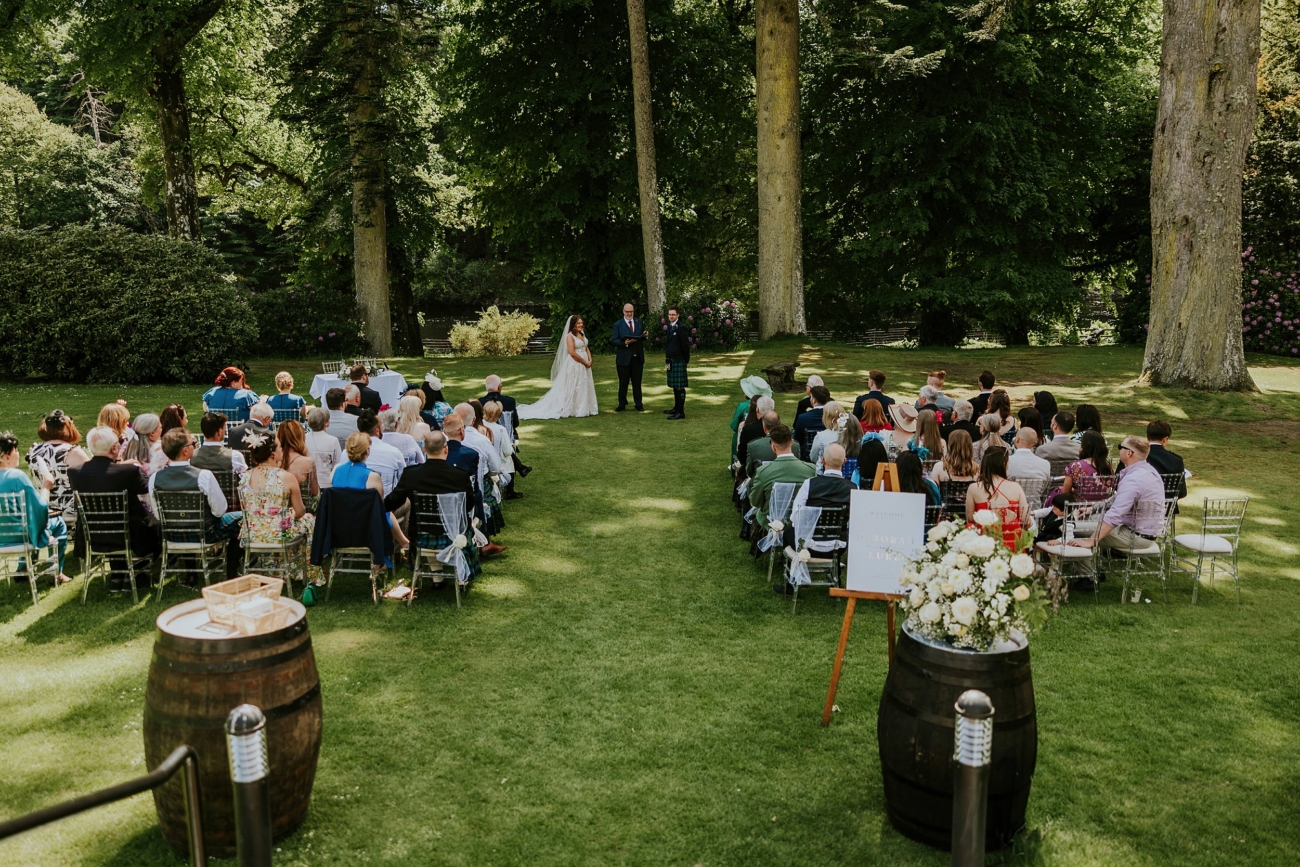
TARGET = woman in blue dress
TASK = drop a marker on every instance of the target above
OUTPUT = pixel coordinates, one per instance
(354, 474)
(230, 396)
(436, 407)
(286, 401)
(41, 529)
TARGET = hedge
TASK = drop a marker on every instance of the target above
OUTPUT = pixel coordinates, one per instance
(109, 305)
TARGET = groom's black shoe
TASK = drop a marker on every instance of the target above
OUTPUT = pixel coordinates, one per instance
(640, 409)
(670, 411)
(619, 408)
(676, 415)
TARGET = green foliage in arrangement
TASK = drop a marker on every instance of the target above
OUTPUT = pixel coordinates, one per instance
(495, 333)
(108, 305)
(713, 322)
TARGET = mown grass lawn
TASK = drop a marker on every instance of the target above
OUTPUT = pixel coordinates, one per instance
(622, 688)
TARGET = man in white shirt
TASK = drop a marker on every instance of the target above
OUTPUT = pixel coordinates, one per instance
(213, 454)
(384, 459)
(178, 475)
(1023, 463)
(342, 424)
(488, 455)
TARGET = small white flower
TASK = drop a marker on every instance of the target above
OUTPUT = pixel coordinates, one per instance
(997, 570)
(917, 599)
(932, 547)
(964, 610)
(962, 561)
(930, 613)
(957, 630)
(990, 586)
(962, 584)
(778, 526)
(1021, 593)
(946, 587)
(908, 576)
(1022, 565)
(986, 517)
(460, 541)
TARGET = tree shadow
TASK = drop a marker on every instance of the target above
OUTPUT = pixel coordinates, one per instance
(146, 847)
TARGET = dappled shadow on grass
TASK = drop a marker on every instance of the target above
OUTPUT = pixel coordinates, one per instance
(147, 847)
(104, 619)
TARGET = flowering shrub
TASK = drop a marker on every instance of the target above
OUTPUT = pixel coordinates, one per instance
(1270, 304)
(970, 589)
(713, 323)
(495, 333)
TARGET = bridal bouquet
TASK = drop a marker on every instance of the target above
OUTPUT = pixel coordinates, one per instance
(969, 589)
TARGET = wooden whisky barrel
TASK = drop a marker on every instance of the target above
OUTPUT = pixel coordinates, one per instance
(914, 731)
(199, 673)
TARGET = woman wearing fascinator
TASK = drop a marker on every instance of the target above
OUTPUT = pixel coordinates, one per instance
(272, 499)
(436, 408)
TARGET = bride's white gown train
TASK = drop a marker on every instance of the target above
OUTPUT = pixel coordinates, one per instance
(573, 390)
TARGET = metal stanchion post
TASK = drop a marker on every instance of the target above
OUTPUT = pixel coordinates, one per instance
(249, 769)
(972, 751)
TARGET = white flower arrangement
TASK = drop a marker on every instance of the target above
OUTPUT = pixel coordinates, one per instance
(969, 589)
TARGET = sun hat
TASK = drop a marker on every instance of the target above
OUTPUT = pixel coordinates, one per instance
(755, 385)
(904, 416)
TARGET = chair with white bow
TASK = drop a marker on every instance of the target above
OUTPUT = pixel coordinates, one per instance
(819, 538)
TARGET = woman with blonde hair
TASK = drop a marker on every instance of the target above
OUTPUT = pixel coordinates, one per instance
(117, 417)
(990, 423)
(832, 412)
(958, 463)
(928, 443)
(354, 474)
(408, 418)
(500, 439)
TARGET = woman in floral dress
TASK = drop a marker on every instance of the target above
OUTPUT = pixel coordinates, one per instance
(272, 501)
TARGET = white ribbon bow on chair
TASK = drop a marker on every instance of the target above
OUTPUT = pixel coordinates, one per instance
(452, 508)
(805, 521)
(777, 510)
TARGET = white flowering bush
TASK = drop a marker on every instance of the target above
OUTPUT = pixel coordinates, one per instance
(969, 589)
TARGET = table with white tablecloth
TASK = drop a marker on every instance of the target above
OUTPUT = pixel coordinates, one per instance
(390, 384)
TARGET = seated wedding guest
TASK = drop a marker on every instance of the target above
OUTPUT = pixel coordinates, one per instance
(932, 395)
(850, 440)
(961, 420)
(42, 527)
(409, 421)
(785, 467)
(1061, 446)
(1029, 418)
(753, 387)
(875, 384)
(230, 396)
(103, 474)
(57, 449)
(832, 414)
(926, 444)
(1000, 405)
(752, 430)
(173, 417)
(810, 421)
(370, 398)
(958, 464)
(342, 424)
(492, 413)
(994, 491)
(759, 450)
(292, 455)
(474, 437)
(412, 454)
(980, 402)
(326, 454)
(1051, 520)
(271, 496)
(1166, 462)
(1047, 410)
(285, 399)
(355, 473)
(493, 385)
(1086, 418)
(873, 420)
(352, 399)
(1136, 518)
(990, 424)
(806, 402)
(1023, 463)
(1090, 478)
(870, 456)
(461, 455)
(259, 422)
(905, 418)
(384, 459)
(436, 476)
(515, 467)
(117, 417)
(213, 453)
(181, 475)
(829, 488)
(911, 479)
(145, 449)
(436, 407)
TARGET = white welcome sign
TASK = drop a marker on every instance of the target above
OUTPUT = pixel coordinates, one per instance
(885, 528)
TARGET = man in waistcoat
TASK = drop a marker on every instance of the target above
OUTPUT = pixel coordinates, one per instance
(181, 475)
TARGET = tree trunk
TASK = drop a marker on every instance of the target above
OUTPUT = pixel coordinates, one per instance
(780, 218)
(167, 89)
(369, 193)
(406, 324)
(1203, 128)
(646, 175)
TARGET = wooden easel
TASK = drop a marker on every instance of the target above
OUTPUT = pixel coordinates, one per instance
(886, 480)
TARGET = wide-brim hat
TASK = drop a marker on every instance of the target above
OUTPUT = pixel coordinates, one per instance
(755, 385)
(904, 417)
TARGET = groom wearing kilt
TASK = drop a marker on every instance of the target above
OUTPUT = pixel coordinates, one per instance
(677, 355)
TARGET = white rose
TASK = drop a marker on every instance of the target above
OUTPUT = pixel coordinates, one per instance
(946, 587)
(962, 561)
(956, 630)
(932, 547)
(948, 560)
(907, 576)
(460, 541)
(964, 609)
(938, 532)
(930, 613)
(986, 517)
(917, 598)
(1021, 593)
(804, 556)
(983, 546)
(1022, 565)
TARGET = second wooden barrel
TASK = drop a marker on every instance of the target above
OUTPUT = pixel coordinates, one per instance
(198, 674)
(914, 731)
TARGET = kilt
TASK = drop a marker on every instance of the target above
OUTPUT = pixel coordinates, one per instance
(677, 374)
(429, 542)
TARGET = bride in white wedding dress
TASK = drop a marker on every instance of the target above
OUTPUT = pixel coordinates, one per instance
(573, 391)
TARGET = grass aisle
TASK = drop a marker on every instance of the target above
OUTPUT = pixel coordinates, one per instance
(622, 688)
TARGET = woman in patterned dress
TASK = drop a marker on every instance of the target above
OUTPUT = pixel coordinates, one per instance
(272, 500)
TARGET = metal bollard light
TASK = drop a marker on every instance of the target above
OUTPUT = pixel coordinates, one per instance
(972, 752)
(249, 769)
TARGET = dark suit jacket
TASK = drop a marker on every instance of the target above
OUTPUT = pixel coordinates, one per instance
(508, 407)
(351, 518)
(748, 433)
(432, 477)
(803, 407)
(677, 342)
(881, 398)
(969, 426)
(1167, 464)
(370, 400)
(458, 455)
(809, 421)
(105, 476)
(626, 353)
(980, 402)
(238, 433)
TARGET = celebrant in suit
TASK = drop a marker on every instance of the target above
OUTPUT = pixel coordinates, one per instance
(677, 355)
(629, 338)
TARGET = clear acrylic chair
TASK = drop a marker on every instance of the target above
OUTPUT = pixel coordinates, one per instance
(19, 555)
(106, 519)
(183, 518)
(1218, 541)
(426, 521)
(954, 497)
(353, 561)
(1146, 557)
(1035, 490)
(1069, 561)
(279, 415)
